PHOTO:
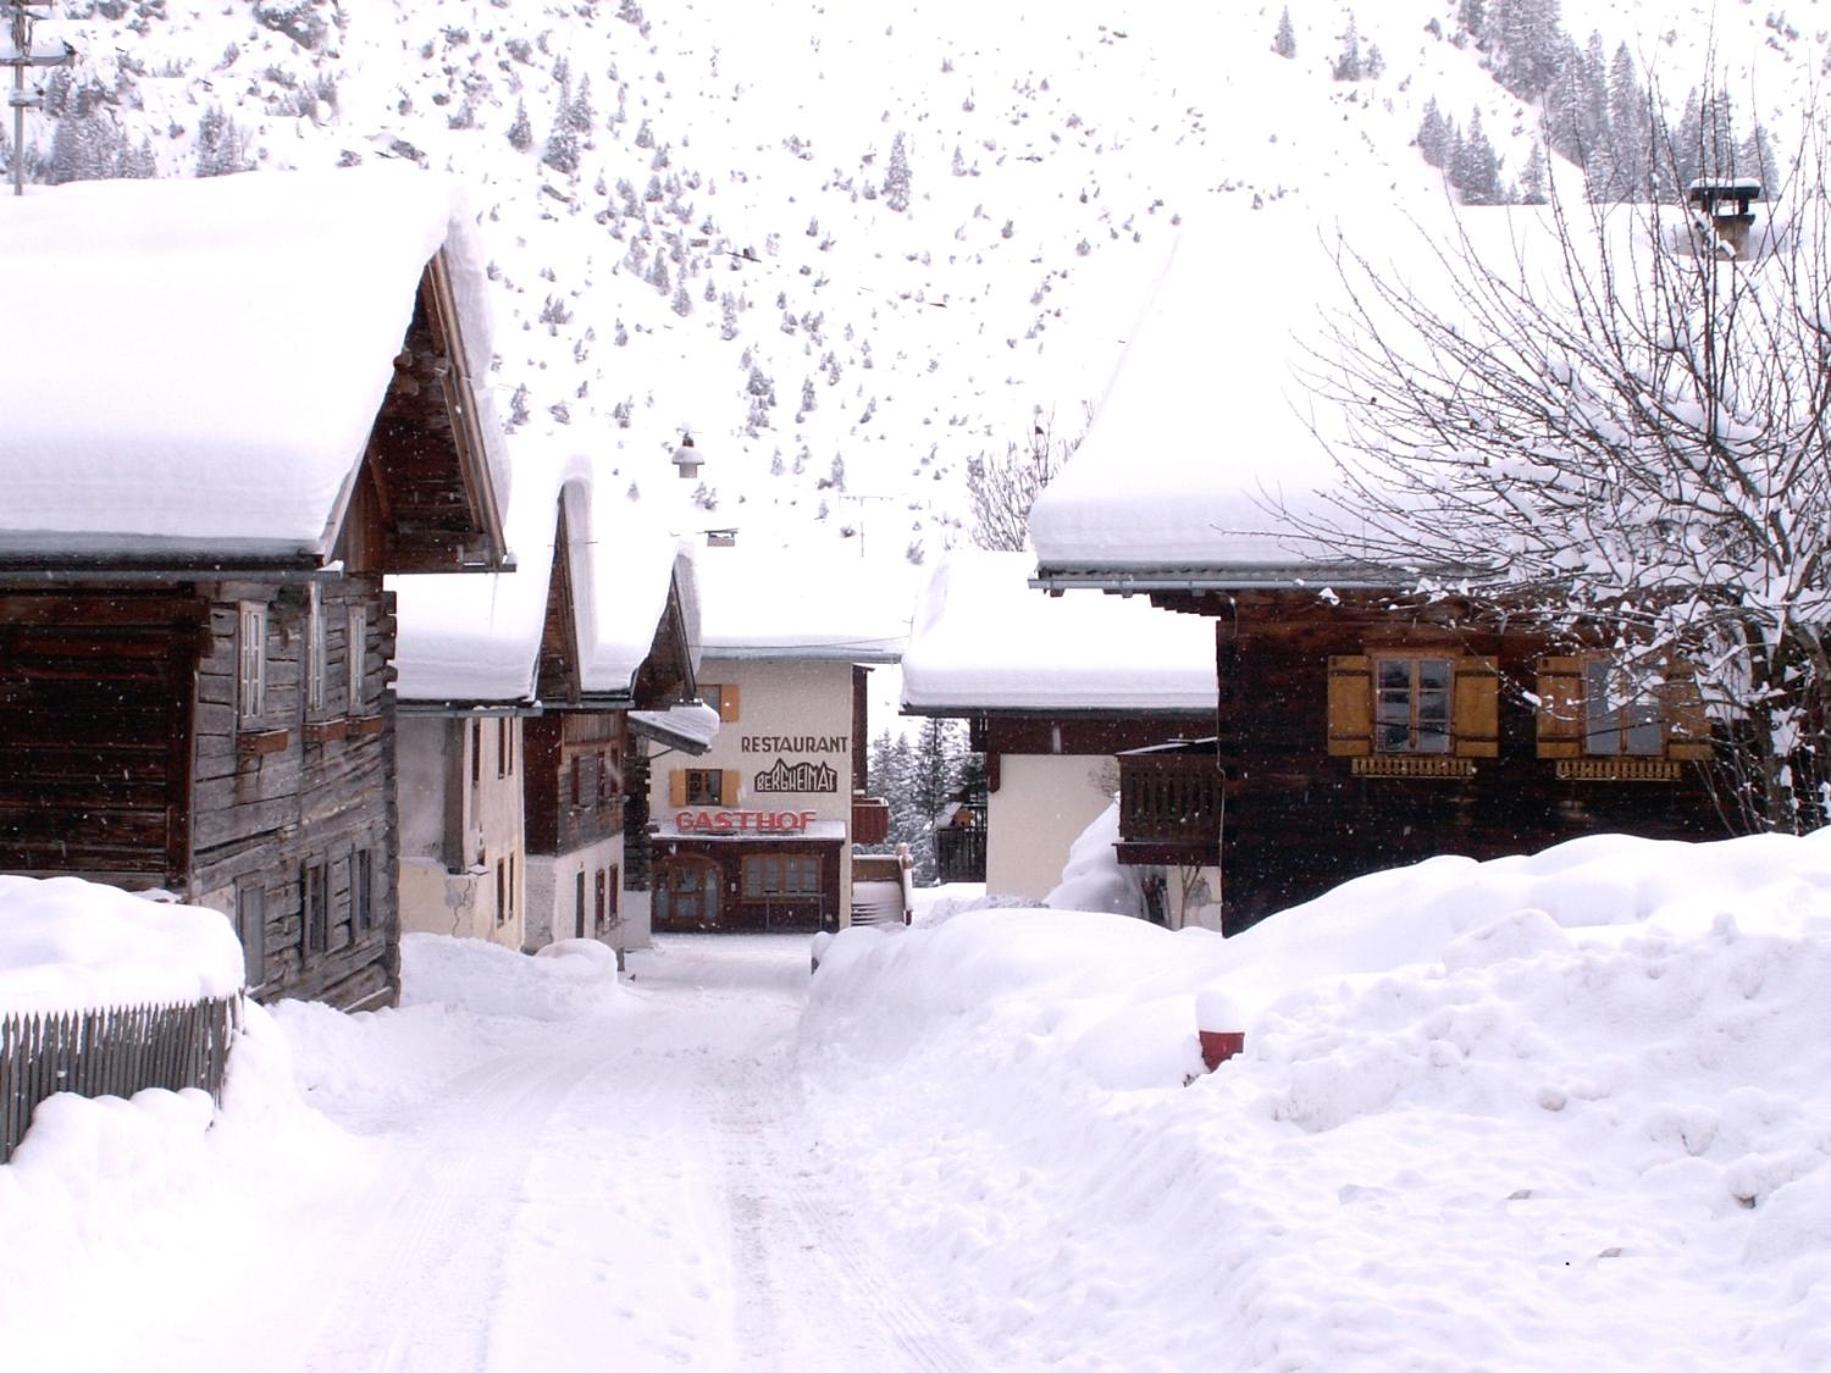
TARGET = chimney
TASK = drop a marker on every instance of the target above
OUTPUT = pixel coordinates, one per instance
(687, 458)
(1725, 202)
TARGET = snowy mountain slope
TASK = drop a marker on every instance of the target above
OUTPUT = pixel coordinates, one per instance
(710, 225)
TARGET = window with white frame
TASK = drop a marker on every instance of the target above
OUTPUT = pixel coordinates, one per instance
(317, 666)
(251, 663)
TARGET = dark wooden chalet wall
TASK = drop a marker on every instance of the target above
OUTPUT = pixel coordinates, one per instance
(123, 759)
(302, 790)
(1298, 821)
(95, 691)
(1081, 734)
(574, 780)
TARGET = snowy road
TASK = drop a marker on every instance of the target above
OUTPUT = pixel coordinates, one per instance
(626, 1194)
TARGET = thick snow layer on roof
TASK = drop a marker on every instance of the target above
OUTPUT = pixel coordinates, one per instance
(71, 945)
(795, 604)
(207, 357)
(984, 640)
(475, 637)
(635, 564)
(1212, 424)
(469, 637)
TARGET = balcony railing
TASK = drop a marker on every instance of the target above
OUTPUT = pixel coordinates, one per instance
(1169, 798)
(960, 853)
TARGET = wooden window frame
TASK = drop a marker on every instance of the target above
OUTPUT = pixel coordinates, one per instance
(1564, 718)
(356, 657)
(362, 891)
(706, 787)
(1415, 691)
(251, 929)
(251, 663)
(315, 907)
(723, 697)
(1471, 730)
(317, 650)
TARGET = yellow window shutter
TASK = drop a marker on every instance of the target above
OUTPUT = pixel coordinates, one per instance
(1350, 706)
(1687, 721)
(728, 790)
(1560, 713)
(727, 703)
(677, 787)
(1475, 712)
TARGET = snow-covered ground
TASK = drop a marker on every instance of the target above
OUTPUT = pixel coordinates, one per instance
(1558, 1112)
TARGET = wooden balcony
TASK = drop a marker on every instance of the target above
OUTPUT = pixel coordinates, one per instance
(1170, 804)
(870, 820)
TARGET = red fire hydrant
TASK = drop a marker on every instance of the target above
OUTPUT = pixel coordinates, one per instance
(1219, 1028)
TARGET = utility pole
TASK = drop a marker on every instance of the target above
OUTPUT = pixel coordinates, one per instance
(846, 496)
(18, 51)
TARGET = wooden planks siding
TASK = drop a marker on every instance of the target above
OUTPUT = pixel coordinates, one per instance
(95, 720)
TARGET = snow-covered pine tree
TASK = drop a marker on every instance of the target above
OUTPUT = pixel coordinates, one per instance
(521, 132)
(1436, 137)
(896, 177)
(222, 147)
(1476, 169)
(1532, 181)
(1348, 66)
(1284, 41)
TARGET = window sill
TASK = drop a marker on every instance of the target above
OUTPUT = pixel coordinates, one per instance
(1619, 770)
(256, 743)
(362, 725)
(1415, 765)
(326, 731)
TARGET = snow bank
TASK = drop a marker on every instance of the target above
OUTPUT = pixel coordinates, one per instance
(480, 978)
(1093, 879)
(67, 944)
(1541, 1113)
(984, 639)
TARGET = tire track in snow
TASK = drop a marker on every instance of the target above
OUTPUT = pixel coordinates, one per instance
(414, 1292)
(800, 1256)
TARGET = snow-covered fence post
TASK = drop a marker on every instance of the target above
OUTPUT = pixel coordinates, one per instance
(1219, 1027)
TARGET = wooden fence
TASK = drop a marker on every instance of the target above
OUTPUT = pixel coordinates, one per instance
(111, 1052)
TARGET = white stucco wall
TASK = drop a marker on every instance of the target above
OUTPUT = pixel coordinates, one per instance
(489, 830)
(1042, 804)
(553, 896)
(780, 703)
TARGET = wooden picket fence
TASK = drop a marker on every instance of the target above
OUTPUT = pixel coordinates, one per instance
(115, 1051)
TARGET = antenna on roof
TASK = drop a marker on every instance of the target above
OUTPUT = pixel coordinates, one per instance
(18, 51)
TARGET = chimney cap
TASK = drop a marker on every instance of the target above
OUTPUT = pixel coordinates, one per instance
(688, 458)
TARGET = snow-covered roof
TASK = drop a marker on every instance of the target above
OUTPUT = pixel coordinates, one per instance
(197, 364)
(691, 727)
(798, 605)
(464, 637)
(469, 638)
(1205, 418)
(984, 641)
(1213, 431)
(635, 566)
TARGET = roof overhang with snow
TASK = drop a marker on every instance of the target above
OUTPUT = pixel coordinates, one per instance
(271, 372)
(984, 643)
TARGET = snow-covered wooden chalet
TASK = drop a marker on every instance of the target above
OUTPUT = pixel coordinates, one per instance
(516, 692)
(1359, 721)
(231, 406)
(1054, 689)
(758, 833)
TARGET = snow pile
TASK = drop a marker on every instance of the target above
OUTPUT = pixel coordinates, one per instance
(691, 727)
(1540, 1113)
(232, 336)
(1093, 879)
(480, 978)
(984, 639)
(71, 945)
